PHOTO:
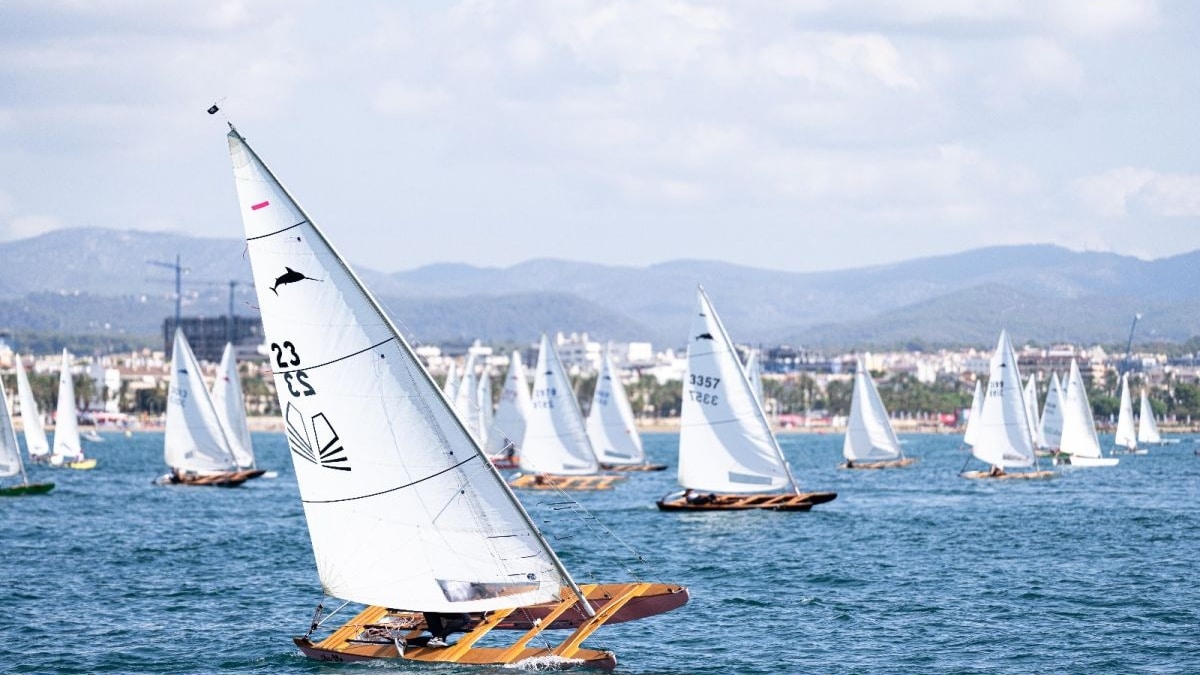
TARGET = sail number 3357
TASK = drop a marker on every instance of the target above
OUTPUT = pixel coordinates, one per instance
(297, 380)
(703, 382)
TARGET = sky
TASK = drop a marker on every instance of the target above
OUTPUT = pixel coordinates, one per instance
(798, 135)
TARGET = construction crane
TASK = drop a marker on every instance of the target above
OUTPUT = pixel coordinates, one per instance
(179, 270)
(1129, 346)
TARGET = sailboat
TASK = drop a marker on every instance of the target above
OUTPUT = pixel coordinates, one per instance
(10, 456)
(404, 511)
(195, 444)
(611, 426)
(1125, 439)
(973, 415)
(1031, 411)
(556, 453)
(1080, 446)
(35, 434)
(483, 406)
(728, 457)
(230, 405)
(466, 398)
(508, 425)
(1051, 423)
(1001, 435)
(1147, 428)
(68, 448)
(870, 442)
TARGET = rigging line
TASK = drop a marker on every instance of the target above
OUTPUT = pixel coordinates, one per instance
(398, 487)
(271, 234)
(584, 515)
(340, 358)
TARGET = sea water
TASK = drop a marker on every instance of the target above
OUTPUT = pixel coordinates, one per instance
(909, 570)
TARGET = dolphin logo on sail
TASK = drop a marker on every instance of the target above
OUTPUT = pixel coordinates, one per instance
(291, 276)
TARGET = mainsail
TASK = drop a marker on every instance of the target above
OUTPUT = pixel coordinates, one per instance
(610, 421)
(1126, 437)
(1052, 415)
(404, 510)
(725, 443)
(556, 440)
(1002, 436)
(1079, 428)
(35, 434)
(231, 409)
(973, 416)
(194, 441)
(67, 446)
(869, 433)
(508, 426)
(1031, 410)
(10, 452)
(1147, 427)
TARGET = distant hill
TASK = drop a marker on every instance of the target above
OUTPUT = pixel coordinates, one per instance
(78, 281)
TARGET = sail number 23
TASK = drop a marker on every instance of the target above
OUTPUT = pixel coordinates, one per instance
(703, 382)
(285, 356)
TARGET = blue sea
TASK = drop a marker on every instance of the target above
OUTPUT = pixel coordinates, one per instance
(909, 570)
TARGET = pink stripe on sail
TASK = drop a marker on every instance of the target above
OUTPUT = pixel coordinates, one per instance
(259, 205)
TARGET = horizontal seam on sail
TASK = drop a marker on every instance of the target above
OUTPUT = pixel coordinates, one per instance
(384, 492)
(271, 234)
(340, 358)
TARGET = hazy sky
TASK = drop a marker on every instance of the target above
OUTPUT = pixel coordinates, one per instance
(803, 135)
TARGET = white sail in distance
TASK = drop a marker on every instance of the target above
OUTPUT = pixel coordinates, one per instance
(556, 440)
(231, 409)
(869, 433)
(483, 406)
(1147, 427)
(1002, 436)
(194, 440)
(1079, 427)
(610, 422)
(1051, 422)
(754, 374)
(403, 508)
(508, 426)
(725, 443)
(10, 452)
(1126, 436)
(973, 415)
(1031, 410)
(465, 398)
(36, 443)
(67, 446)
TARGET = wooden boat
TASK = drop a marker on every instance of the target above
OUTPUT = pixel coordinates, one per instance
(870, 441)
(1001, 434)
(196, 444)
(1080, 446)
(68, 447)
(726, 448)
(230, 405)
(610, 423)
(508, 424)
(556, 452)
(10, 457)
(36, 443)
(404, 509)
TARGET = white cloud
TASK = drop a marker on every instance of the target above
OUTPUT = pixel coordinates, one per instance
(404, 99)
(23, 227)
(1128, 190)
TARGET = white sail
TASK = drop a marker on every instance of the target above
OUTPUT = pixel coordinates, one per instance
(1126, 436)
(194, 440)
(754, 374)
(1147, 427)
(869, 433)
(556, 441)
(67, 446)
(35, 434)
(1051, 423)
(508, 426)
(450, 384)
(483, 406)
(1031, 410)
(465, 398)
(973, 416)
(725, 443)
(1002, 437)
(610, 421)
(10, 452)
(403, 508)
(231, 409)
(1079, 428)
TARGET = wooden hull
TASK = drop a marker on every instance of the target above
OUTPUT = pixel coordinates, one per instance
(249, 474)
(889, 464)
(230, 479)
(26, 489)
(545, 481)
(1023, 475)
(380, 633)
(772, 502)
(633, 467)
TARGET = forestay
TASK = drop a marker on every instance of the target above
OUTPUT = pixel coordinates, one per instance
(555, 441)
(1052, 415)
(725, 443)
(869, 433)
(1125, 436)
(403, 508)
(508, 426)
(610, 422)
(1002, 437)
(67, 447)
(194, 440)
(31, 420)
(1147, 427)
(230, 405)
(1079, 429)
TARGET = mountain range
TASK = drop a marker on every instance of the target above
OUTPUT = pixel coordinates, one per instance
(95, 281)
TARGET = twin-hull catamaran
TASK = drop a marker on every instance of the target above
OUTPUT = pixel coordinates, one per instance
(68, 447)
(404, 510)
(10, 456)
(870, 442)
(556, 453)
(1001, 436)
(611, 426)
(728, 457)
